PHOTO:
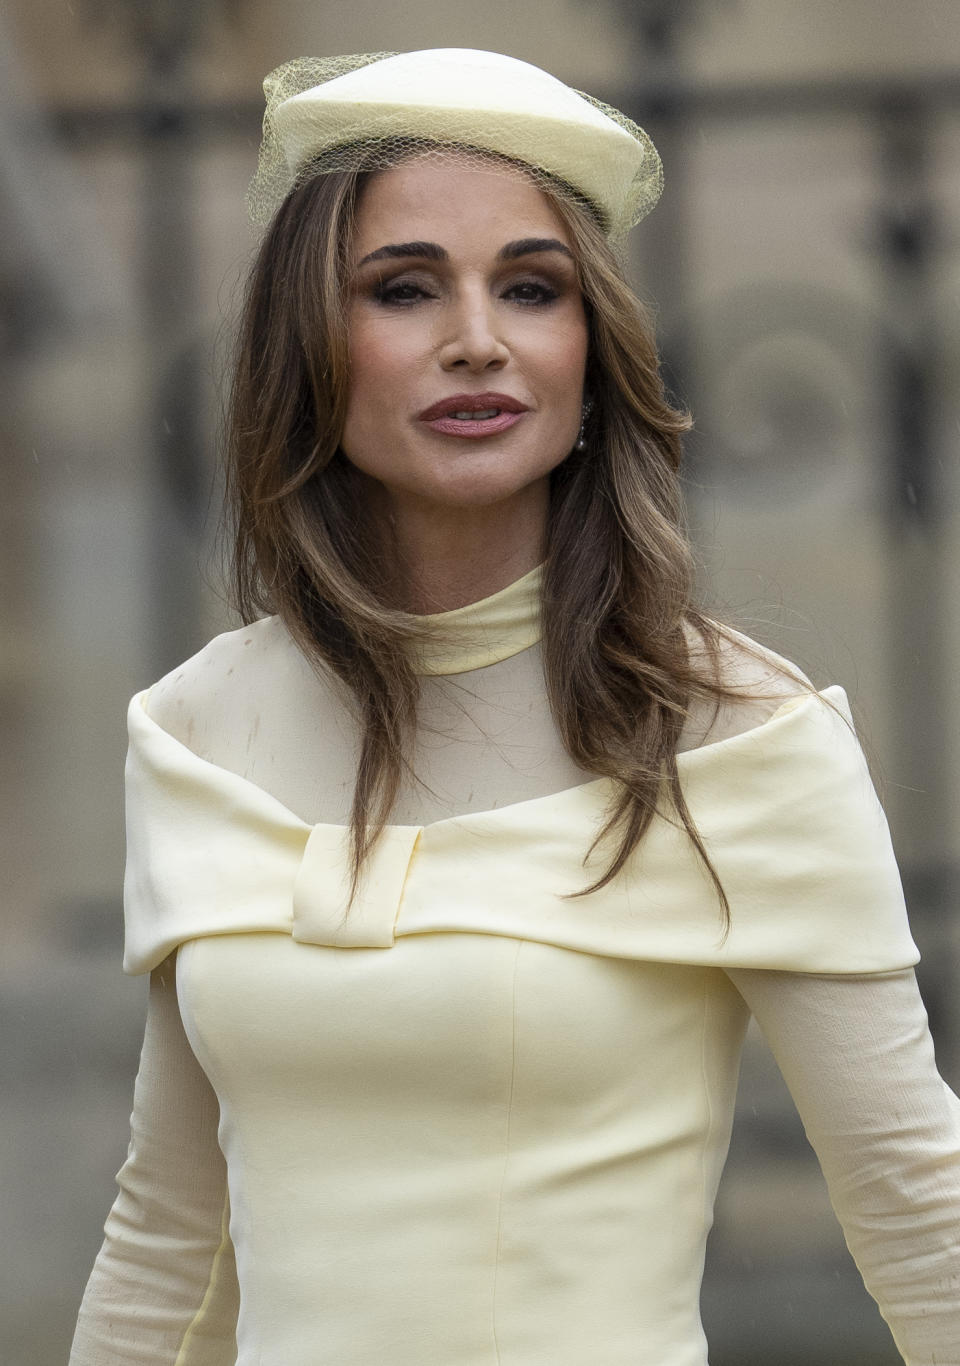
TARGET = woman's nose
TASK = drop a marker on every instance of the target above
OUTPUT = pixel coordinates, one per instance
(473, 340)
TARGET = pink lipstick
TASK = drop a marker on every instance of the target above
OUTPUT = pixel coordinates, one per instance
(473, 415)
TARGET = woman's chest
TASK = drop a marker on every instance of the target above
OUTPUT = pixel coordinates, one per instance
(460, 1024)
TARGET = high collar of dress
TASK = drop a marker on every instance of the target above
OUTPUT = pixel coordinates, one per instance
(483, 632)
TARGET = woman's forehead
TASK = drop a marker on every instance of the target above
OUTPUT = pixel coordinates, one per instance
(445, 194)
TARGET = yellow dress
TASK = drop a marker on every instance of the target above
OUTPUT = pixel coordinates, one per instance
(472, 1122)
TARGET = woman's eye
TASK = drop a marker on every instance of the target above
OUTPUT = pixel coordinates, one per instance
(400, 292)
(531, 292)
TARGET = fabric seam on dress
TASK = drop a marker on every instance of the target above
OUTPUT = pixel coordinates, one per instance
(506, 1152)
(182, 1359)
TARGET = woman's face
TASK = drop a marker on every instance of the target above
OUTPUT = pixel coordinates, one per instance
(467, 335)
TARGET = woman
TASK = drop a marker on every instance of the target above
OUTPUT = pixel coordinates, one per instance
(459, 872)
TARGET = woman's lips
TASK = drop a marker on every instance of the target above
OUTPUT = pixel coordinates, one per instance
(474, 426)
(473, 415)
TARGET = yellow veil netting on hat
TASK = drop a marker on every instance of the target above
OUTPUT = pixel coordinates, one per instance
(620, 176)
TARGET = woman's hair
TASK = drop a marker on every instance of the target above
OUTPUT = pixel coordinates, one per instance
(617, 610)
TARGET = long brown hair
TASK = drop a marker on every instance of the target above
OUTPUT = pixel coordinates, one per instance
(617, 610)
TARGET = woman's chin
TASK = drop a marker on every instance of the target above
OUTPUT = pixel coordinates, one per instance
(476, 492)
(474, 482)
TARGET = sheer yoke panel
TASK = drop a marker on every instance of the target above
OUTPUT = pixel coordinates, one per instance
(250, 702)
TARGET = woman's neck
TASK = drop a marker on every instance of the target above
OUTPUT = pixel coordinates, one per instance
(445, 583)
(451, 557)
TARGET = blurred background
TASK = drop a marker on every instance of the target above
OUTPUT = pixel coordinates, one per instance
(805, 263)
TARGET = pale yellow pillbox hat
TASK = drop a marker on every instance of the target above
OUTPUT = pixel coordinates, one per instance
(461, 97)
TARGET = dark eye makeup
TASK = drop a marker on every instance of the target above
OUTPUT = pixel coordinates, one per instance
(533, 292)
(399, 292)
(404, 291)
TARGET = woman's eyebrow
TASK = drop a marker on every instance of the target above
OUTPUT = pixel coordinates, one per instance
(526, 246)
(432, 251)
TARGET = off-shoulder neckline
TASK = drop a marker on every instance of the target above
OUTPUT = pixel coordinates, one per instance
(793, 707)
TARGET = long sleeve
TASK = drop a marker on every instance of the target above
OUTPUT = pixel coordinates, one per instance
(858, 1058)
(163, 1290)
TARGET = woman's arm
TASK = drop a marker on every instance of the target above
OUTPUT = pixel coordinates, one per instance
(857, 1056)
(163, 1290)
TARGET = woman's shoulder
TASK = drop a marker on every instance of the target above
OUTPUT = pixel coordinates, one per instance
(250, 682)
(216, 677)
(251, 702)
(757, 682)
